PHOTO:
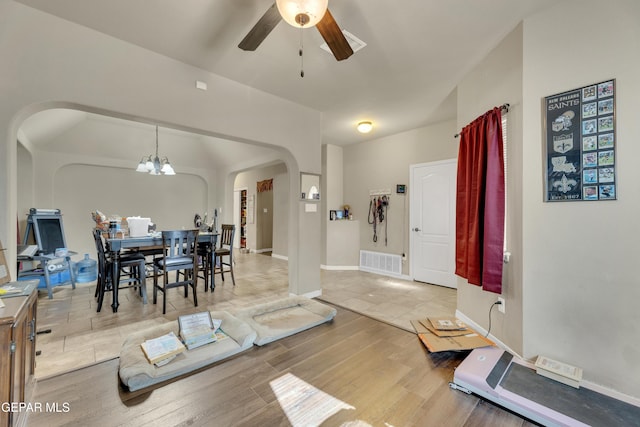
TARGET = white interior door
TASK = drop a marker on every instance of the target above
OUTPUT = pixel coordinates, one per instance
(432, 219)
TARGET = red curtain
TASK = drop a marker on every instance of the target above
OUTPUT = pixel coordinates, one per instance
(480, 202)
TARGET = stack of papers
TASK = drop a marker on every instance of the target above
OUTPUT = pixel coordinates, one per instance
(162, 350)
(198, 329)
(448, 334)
(27, 250)
(8, 289)
(558, 371)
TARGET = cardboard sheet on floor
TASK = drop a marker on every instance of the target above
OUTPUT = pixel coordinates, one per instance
(435, 343)
(422, 326)
(444, 323)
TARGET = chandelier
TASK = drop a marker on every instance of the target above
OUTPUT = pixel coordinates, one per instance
(155, 165)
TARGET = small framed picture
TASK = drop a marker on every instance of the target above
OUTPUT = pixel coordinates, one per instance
(332, 215)
(339, 214)
(401, 188)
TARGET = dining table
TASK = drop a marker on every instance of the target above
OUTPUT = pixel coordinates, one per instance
(116, 244)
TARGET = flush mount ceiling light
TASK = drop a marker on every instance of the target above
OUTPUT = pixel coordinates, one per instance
(364, 127)
(155, 165)
(302, 13)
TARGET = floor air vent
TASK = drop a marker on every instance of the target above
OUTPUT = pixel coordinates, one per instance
(381, 263)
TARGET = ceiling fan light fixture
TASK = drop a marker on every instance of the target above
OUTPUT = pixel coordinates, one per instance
(364, 127)
(302, 13)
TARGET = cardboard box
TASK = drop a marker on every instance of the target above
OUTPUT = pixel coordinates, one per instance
(445, 323)
(423, 326)
(471, 340)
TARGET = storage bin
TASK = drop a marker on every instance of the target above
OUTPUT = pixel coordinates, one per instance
(54, 278)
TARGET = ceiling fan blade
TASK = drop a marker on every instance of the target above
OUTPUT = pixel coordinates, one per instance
(261, 30)
(332, 34)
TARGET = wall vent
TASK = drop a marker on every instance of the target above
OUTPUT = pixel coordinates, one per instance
(381, 263)
(355, 43)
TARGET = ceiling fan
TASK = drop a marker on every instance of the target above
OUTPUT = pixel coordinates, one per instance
(301, 14)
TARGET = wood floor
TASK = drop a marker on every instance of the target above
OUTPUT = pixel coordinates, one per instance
(383, 372)
(80, 336)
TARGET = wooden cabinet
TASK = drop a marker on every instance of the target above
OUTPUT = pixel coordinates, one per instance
(17, 360)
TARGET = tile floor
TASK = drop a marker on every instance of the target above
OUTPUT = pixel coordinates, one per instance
(81, 337)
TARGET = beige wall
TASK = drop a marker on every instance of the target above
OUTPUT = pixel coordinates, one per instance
(281, 215)
(495, 81)
(570, 278)
(341, 238)
(280, 203)
(580, 285)
(383, 163)
(49, 62)
(343, 245)
(86, 179)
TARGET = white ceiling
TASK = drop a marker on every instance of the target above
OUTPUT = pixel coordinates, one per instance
(417, 51)
(80, 133)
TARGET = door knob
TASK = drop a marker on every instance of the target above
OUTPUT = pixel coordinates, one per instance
(416, 229)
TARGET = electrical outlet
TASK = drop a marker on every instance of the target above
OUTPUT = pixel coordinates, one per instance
(501, 306)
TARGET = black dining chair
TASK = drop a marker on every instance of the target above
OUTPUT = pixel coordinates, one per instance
(205, 269)
(180, 255)
(132, 267)
(225, 250)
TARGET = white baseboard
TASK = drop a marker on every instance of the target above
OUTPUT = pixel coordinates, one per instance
(282, 257)
(339, 267)
(259, 251)
(586, 384)
(483, 331)
(313, 294)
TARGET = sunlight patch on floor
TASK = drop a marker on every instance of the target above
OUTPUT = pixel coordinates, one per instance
(304, 404)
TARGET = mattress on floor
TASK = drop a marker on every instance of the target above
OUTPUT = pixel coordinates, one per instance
(278, 319)
(136, 372)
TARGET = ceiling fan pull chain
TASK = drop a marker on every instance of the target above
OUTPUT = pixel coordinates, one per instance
(301, 55)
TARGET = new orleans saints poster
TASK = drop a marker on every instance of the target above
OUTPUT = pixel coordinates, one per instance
(579, 132)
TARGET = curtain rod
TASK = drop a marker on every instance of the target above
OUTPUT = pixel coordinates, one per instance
(504, 107)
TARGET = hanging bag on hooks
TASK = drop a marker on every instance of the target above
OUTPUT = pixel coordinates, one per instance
(385, 205)
(372, 216)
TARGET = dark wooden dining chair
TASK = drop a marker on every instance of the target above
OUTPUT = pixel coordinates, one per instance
(205, 268)
(225, 250)
(131, 266)
(180, 255)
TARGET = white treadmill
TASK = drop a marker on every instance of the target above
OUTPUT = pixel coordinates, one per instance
(496, 376)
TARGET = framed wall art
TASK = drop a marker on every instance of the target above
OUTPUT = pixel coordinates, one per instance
(580, 139)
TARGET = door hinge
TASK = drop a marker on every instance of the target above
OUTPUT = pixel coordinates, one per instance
(12, 347)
